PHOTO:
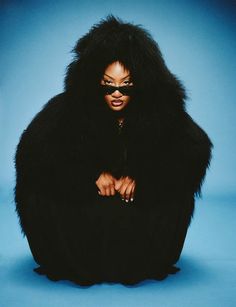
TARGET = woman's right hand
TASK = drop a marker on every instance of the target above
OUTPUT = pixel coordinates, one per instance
(106, 184)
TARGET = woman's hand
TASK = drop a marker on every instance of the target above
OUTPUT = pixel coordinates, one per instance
(126, 187)
(106, 184)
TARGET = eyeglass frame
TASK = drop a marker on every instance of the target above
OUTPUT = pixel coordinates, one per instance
(124, 90)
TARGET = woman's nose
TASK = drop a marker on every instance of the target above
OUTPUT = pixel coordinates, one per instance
(116, 94)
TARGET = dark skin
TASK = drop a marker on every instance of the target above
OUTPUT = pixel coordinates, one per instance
(108, 185)
(116, 75)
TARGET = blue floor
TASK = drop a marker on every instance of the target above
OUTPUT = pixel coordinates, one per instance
(207, 277)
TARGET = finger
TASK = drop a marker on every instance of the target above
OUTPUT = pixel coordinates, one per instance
(113, 192)
(121, 195)
(123, 189)
(118, 184)
(102, 191)
(132, 193)
(128, 192)
(108, 191)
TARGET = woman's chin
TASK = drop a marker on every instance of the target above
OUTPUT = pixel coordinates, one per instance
(117, 107)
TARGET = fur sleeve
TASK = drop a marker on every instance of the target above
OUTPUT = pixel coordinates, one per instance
(172, 165)
(196, 154)
(53, 160)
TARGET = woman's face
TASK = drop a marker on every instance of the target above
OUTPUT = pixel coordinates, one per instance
(116, 75)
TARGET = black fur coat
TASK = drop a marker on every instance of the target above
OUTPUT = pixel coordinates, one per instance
(73, 232)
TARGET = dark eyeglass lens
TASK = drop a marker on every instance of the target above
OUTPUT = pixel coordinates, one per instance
(125, 90)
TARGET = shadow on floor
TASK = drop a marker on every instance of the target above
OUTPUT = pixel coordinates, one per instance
(192, 272)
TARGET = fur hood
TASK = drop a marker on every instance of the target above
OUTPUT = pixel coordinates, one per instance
(157, 90)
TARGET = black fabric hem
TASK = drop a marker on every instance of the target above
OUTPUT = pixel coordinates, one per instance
(127, 281)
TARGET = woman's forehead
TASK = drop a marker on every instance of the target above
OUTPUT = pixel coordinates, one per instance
(116, 70)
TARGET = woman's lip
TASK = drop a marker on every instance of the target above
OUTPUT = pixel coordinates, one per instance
(117, 102)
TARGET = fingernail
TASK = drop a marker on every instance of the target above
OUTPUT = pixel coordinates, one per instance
(127, 200)
(132, 199)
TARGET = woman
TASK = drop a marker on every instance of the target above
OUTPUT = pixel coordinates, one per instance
(117, 99)
(108, 171)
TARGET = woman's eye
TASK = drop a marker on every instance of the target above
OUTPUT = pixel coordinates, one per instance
(108, 82)
(128, 82)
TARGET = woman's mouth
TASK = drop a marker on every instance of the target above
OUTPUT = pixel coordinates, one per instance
(116, 102)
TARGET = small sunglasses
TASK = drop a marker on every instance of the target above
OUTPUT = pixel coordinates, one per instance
(125, 90)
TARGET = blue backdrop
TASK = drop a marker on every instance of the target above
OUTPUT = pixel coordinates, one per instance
(197, 39)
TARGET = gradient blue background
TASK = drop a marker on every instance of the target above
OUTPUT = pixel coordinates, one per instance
(198, 41)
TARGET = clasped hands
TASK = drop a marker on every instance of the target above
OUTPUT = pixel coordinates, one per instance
(109, 186)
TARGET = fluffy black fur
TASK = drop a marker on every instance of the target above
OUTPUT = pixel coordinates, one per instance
(73, 232)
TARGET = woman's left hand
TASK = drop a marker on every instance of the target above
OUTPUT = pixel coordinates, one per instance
(126, 187)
